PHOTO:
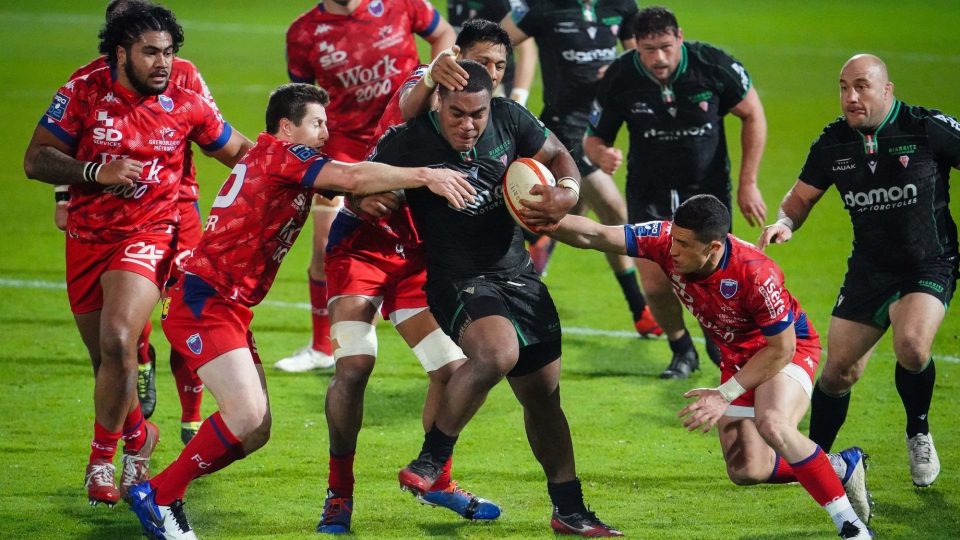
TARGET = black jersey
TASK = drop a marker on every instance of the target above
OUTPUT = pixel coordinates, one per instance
(482, 238)
(575, 41)
(677, 141)
(894, 182)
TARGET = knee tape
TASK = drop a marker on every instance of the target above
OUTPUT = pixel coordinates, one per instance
(437, 350)
(354, 338)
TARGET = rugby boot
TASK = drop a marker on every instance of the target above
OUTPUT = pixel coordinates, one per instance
(159, 522)
(136, 467)
(337, 512)
(100, 483)
(147, 383)
(188, 430)
(924, 462)
(855, 482)
(581, 524)
(646, 325)
(420, 474)
(462, 502)
(682, 365)
(305, 359)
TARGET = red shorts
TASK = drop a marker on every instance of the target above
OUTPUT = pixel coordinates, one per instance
(190, 226)
(802, 368)
(149, 254)
(378, 271)
(201, 325)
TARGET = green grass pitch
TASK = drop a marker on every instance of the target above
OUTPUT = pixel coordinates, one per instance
(641, 471)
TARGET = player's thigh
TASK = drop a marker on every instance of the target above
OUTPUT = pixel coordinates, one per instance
(915, 319)
(740, 441)
(603, 196)
(89, 326)
(237, 383)
(128, 301)
(782, 398)
(540, 388)
(353, 308)
(849, 348)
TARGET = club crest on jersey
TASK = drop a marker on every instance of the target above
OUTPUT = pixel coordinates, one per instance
(302, 152)
(165, 102)
(58, 107)
(904, 160)
(195, 344)
(704, 106)
(728, 288)
(376, 8)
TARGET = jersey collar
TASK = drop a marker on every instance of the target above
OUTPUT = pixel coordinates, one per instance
(666, 90)
(870, 143)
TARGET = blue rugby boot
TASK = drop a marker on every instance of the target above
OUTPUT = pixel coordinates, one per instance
(337, 512)
(462, 502)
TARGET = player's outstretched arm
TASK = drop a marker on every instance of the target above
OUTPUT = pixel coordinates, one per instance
(370, 177)
(711, 403)
(753, 137)
(49, 160)
(793, 212)
(585, 233)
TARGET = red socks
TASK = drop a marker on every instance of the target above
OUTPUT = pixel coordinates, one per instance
(213, 448)
(340, 480)
(321, 318)
(782, 472)
(104, 444)
(817, 476)
(134, 431)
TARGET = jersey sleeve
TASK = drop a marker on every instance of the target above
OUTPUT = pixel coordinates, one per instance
(194, 81)
(531, 133)
(649, 240)
(527, 17)
(299, 68)
(64, 117)
(302, 164)
(943, 134)
(424, 17)
(209, 131)
(814, 171)
(733, 77)
(605, 116)
(768, 302)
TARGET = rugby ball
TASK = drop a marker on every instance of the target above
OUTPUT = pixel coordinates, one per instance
(522, 175)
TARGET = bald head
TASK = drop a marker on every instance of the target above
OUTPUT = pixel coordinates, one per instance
(866, 93)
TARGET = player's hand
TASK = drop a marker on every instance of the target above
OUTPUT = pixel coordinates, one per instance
(378, 205)
(751, 204)
(60, 216)
(123, 171)
(545, 214)
(610, 160)
(451, 185)
(777, 233)
(447, 72)
(704, 413)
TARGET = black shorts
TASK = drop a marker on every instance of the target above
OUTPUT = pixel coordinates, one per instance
(659, 204)
(569, 128)
(522, 298)
(868, 290)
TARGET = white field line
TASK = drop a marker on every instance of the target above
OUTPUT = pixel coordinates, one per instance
(572, 330)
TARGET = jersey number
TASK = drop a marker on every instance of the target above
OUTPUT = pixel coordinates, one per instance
(231, 188)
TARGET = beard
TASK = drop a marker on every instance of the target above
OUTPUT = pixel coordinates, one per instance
(140, 84)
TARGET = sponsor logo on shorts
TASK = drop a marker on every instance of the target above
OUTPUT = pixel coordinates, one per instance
(58, 107)
(143, 254)
(195, 344)
(728, 288)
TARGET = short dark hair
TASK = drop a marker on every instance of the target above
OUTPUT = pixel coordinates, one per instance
(655, 21)
(705, 215)
(478, 79)
(117, 6)
(133, 20)
(483, 31)
(290, 101)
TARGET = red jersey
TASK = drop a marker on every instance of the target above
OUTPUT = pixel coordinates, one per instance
(360, 59)
(740, 303)
(255, 218)
(103, 121)
(185, 74)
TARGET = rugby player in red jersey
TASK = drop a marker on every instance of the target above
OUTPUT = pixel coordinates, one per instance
(769, 352)
(255, 219)
(189, 388)
(118, 137)
(377, 265)
(360, 50)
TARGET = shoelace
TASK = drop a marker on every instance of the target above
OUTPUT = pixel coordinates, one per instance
(176, 510)
(334, 508)
(100, 475)
(921, 448)
(130, 473)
